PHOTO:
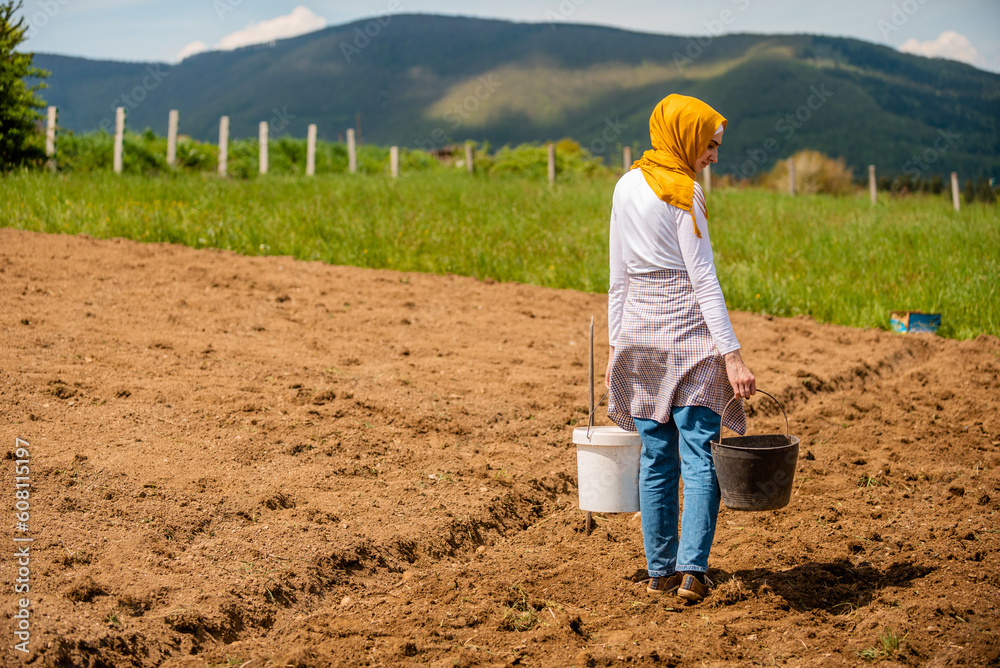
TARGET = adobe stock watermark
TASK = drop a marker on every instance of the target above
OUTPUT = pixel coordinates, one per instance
(363, 36)
(613, 129)
(224, 7)
(716, 28)
(918, 164)
(47, 10)
(899, 16)
(22, 545)
(460, 112)
(280, 120)
(565, 10)
(787, 125)
(133, 98)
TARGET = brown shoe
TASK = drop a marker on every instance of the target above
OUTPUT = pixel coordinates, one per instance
(692, 590)
(665, 584)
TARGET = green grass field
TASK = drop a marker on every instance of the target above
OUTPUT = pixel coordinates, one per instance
(839, 260)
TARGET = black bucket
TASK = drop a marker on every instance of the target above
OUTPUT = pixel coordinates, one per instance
(756, 472)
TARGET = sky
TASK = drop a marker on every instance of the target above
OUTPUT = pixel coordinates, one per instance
(170, 30)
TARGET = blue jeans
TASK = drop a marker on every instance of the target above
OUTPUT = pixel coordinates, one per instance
(679, 448)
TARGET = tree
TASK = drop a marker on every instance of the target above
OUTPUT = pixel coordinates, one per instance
(984, 191)
(969, 192)
(20, 142)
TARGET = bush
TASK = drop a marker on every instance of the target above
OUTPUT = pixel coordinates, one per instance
(145, 153)
(904, 185)
(984, 192)
(532, 160)
(141, 153)
(373, 159)
(84, 153)
(416, 161)
(196, 156)
(814, 173)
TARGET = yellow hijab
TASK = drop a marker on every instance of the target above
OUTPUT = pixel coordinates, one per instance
(680, 128)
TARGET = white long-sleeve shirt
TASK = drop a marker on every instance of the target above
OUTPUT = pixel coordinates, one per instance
(647, 234)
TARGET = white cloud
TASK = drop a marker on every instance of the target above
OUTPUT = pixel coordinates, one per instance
(948, 44)
(302, 20)
(191, 49)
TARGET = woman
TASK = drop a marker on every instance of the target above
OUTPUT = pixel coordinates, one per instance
(675, 361)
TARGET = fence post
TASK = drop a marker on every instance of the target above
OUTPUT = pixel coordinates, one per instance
(394, 161)
(872, 186)
(955, 199)
(311, 150)
(263, 147)
(791, 176)
(707, 186)
(119, 138)
(352, 152)
(50, 139)
(172, 137)
(223, 145)
(470, 156)
(626, 159)
(552, 163)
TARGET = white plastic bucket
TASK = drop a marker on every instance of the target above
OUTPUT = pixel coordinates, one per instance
(607, 466)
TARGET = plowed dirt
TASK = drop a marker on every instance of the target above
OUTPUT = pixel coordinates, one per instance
(264, 462)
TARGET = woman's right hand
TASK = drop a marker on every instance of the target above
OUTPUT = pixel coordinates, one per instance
(743, 382)
(607, 371)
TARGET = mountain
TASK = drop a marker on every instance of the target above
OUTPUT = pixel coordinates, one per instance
(424, 80)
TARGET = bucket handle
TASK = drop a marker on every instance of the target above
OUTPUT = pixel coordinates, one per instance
(590, 418)
(787, 432)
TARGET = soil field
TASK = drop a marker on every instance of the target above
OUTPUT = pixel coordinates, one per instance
(265, 462)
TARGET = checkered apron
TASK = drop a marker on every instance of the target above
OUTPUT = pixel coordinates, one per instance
(665, 355)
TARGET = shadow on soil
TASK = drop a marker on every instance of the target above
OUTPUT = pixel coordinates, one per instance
(836, 587)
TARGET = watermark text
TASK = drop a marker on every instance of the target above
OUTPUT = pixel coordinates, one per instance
(22, 545)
